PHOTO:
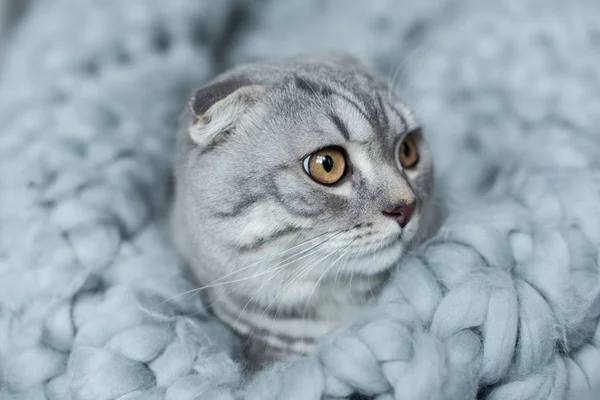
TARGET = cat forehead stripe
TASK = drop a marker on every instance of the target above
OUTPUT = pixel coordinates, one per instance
(321, 90)
(361, 129)
(313, 88)
(340, 125)
(372, 108)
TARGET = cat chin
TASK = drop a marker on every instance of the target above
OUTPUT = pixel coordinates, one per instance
(377, 262)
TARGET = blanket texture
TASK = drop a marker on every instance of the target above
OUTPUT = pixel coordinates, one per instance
(503, 304)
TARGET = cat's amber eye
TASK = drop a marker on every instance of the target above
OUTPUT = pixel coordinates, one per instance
(326, 166)
(408, 154)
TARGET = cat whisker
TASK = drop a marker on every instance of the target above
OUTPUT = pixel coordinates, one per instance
(398, 73)
(194, 291)
(221, 295)
(347, 250)
(267, 308)
(217, 282)
(297, 276)
(272, 256)
(414, 56)
(305, 251)
(337, 276)
(268, 280)
(340, 268)
(277, 267)
(393, 72)
(304, 311)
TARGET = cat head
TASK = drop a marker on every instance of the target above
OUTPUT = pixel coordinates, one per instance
(297, 171)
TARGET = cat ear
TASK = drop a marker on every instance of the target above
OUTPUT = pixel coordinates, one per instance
(217, 108)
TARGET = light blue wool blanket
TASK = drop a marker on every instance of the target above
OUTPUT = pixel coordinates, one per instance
(502, 304)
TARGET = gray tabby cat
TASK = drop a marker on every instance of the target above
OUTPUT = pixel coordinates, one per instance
(299, 184)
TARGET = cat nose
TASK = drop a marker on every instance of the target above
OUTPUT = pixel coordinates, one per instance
(402, 214)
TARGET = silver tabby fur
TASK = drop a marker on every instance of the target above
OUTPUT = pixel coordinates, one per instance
(281, 258)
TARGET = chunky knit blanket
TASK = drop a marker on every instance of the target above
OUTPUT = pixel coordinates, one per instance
(502, 304)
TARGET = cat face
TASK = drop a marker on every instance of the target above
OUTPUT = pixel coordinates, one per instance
(297, 172)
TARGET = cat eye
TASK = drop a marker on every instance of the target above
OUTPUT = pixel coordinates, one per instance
(326, 166)
(408, 154)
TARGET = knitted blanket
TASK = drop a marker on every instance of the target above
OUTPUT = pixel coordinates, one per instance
(503, 304)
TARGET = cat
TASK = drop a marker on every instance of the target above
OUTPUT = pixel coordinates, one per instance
(299, 183)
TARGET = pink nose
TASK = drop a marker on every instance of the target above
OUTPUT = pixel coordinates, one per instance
(402, 214)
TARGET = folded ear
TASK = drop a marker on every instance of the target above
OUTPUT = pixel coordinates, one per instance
(218, 107)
